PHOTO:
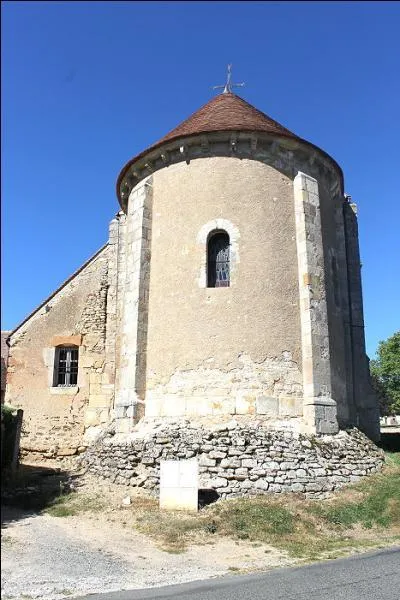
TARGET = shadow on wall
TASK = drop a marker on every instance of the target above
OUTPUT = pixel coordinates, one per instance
(32, 489)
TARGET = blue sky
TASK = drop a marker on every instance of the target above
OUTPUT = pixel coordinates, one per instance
(87, 85)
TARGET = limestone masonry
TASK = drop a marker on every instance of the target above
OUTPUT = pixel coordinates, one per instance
(237, 459)
(229, 288)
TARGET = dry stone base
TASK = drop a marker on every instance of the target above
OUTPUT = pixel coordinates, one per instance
(236, 458)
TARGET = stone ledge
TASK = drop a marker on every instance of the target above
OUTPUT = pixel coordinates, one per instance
(63, 340)
(64, 391)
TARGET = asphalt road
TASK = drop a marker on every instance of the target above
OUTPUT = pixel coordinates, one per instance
(372, 576)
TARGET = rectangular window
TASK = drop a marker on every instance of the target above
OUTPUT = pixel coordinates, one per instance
(66, 366)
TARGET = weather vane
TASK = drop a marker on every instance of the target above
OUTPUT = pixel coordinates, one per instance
(228, 86)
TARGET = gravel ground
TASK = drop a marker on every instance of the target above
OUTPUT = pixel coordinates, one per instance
(53, 558)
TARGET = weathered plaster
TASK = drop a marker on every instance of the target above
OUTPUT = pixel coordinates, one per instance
(54, 418)
(196, 330)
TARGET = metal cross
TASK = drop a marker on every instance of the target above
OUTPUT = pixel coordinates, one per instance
(228, 86)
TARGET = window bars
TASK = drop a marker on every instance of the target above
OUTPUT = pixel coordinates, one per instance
(66, 366)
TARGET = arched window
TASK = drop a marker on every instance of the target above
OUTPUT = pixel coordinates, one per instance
(66, 366)
(218, 259)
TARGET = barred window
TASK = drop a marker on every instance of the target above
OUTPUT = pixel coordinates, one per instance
(218, 260)
(66, 366)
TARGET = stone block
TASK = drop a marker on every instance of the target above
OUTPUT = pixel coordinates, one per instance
(230, 463)
(87, 361)
(173, 406)
(249, 463)
(267, 405)
(217, 454)
(320, 416)
(290, 406)
(301, 473)
(95, 378)
(123, 425)
(153, 406)
(198, 406)
(66, 451)
(99, 401)
(241, 473)
(261, 484)
(104, 416)
(218, 482)
(120, 412)
(95, 389)
(91, 417)
(64, 391)
(245, 405)
(205, 461)
(297, 487)
(225, 406)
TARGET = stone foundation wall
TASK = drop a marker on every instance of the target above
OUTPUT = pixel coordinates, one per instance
(237, 459)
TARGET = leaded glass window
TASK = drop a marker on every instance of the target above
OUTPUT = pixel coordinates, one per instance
(66, 366)
(218, 259)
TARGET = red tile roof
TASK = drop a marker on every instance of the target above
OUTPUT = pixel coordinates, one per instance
(227, 112)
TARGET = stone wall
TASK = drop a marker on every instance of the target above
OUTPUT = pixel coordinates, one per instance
(76, 314)
(132, 307)
(236, 458)
(247, 180)
(222, 350)
(364, 398)
(319, 407)
(272, 386)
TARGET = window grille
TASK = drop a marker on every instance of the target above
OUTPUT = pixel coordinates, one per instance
(218, 260)
(66, 366)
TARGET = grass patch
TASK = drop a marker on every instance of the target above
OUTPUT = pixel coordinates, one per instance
(172, 530)
(254, 519)
(379, 506)
(74, 504)
(374, 502)
(363, 515)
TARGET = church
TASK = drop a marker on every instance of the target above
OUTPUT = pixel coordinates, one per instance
(229, 288)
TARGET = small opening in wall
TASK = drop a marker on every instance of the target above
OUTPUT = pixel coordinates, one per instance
(207, 496)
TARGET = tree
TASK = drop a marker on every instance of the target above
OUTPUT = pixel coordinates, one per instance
(385, 374)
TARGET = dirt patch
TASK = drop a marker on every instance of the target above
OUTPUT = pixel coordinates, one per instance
(98, 550)
(70, 533)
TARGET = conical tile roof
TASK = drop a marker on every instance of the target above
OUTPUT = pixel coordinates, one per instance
(227, 112)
